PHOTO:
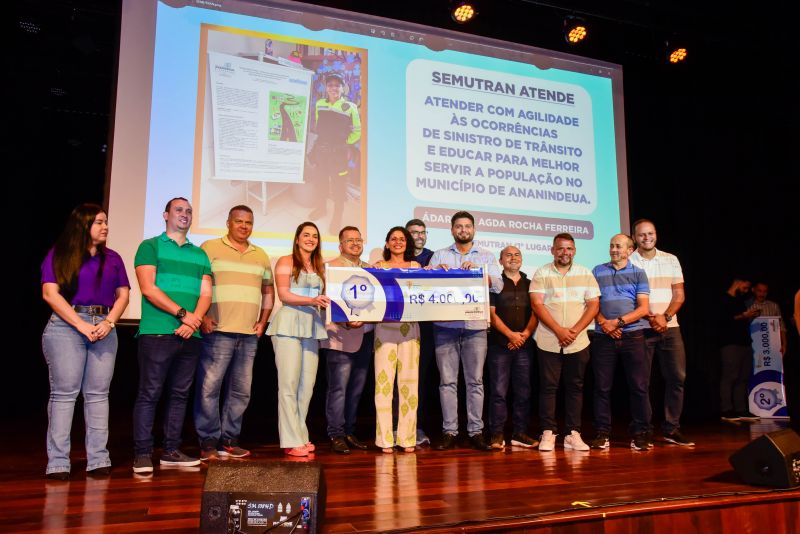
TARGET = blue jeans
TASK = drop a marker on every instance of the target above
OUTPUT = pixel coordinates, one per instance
(75, 364)
(672, 362)
(226, 359)
(509, 366)
(553, 367)
(347, 374)
(468, 347)
(164, 360)
(630, 349)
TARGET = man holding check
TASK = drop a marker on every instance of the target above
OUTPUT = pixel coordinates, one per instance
(463, 341)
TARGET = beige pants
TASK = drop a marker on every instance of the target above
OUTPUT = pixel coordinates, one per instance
(396, 354)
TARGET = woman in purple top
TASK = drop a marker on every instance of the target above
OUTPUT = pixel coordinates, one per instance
(86, 286)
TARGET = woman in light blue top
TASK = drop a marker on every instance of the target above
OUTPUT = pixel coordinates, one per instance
(296, 330)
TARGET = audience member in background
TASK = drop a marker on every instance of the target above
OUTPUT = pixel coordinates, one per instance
(766, 308)
(736, 351)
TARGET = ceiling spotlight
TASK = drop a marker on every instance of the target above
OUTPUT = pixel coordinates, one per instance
(676, 52)
(463, 12)
(575, 29)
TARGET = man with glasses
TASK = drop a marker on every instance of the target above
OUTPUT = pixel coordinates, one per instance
(347, 351)
(417, 229)
(422, 255)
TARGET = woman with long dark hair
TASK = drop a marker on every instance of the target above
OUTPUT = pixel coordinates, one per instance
(295, 331)
(86, 286)
(397, 353)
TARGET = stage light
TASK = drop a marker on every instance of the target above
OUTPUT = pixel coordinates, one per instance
(676, 51)
(463, 12)
(575, 29)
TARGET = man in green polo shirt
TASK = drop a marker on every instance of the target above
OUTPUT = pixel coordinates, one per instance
(175, 280)
(241, 304)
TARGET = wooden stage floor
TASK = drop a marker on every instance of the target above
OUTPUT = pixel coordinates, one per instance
(667, 489)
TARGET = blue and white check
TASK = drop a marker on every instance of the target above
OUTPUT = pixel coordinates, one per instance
(406, 295)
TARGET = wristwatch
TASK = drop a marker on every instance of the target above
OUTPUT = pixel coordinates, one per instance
(110, 323)
(667, 317)
(620, 322)
(180, 314)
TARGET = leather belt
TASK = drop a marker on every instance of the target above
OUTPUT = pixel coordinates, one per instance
(92, 310)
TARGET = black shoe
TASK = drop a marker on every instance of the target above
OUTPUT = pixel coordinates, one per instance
(447, 442)
(354, 442)
(58, 475)
(339, 445)
(677, 438)
(747, 416)
(600, 441)
(99, 472)
(640, 442)
(479, 444)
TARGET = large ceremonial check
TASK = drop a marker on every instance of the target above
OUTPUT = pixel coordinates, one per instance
(767, 393)
(403, 295)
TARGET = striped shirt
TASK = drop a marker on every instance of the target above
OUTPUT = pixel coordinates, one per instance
(179, 274)
(565, 297)
(238, 277)
(768, 309)
(618, 291)
(663, 272)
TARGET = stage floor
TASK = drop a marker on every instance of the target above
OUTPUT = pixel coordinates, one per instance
(431, 491)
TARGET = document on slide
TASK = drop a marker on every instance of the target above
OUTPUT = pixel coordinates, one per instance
(260, 119)
(406, 295)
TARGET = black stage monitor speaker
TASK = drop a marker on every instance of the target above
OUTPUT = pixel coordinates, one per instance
(251, 497)
(771, 460)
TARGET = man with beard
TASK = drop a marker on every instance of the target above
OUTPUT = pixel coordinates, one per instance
(566, 300)
(422, 255)
(463, 342)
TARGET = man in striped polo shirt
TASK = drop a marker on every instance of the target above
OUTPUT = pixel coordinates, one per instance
(242, 302)
(175, 280)
(566, 300)
(624, 302)
(663, 336)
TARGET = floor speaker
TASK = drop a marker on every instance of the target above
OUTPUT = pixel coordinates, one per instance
(771, 460)
(251, 497)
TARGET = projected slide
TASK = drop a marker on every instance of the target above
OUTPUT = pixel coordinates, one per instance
(308, 113)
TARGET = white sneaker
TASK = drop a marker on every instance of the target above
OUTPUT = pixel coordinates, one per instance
(574, 442)
(548, 441)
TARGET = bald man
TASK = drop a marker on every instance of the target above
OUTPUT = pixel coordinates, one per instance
(510, 352)
(620, 324)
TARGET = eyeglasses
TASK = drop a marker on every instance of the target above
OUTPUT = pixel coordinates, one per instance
(421, 232)
(353, 241)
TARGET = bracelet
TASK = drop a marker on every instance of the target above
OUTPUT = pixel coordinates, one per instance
(111, 323)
